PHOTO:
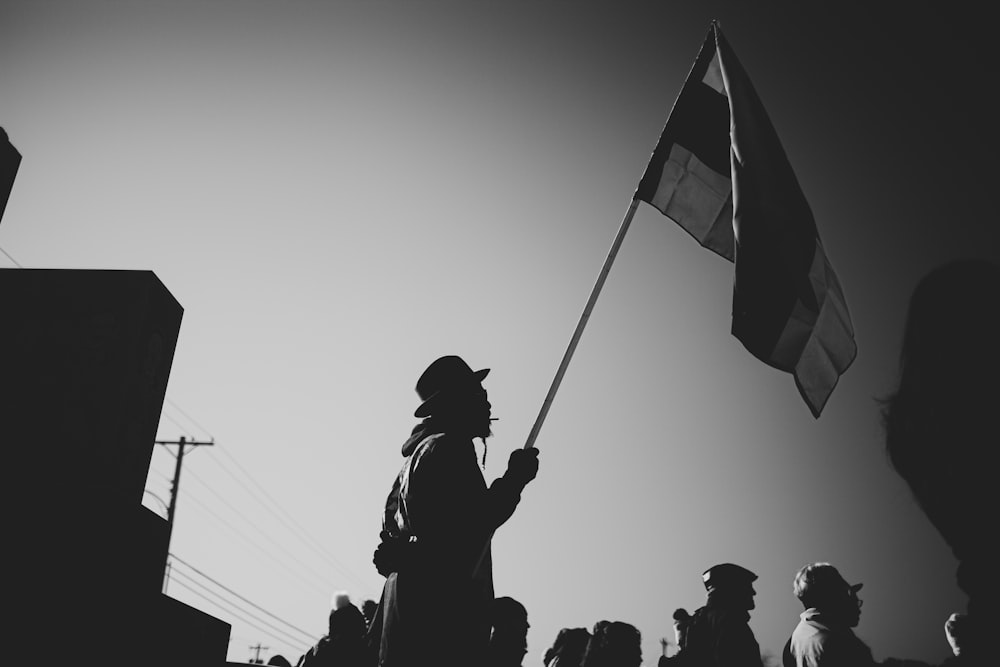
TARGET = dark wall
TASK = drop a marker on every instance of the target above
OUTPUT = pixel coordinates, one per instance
(84, 362)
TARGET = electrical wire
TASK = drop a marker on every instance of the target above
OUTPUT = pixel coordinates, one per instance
(250, 623)
(232, 592)
(190, 418)
(192, 580)
(11, 258)
(301, 533)
(310, 585)
(320, 577)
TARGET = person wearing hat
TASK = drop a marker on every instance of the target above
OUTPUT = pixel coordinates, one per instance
(437, 526)
(824, 635)
(718, 634)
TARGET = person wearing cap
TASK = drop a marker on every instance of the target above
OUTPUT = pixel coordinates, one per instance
(718, 634)
(824, 635)
(438, 524)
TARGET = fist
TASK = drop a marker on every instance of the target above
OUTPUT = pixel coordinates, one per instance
(390, 556)
(523, 465)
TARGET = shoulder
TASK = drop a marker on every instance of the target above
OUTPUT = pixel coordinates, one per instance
(441, 446)
(439, 451)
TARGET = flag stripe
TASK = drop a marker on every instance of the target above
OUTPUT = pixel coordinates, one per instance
(696, 116)
(688, 175)
(721, 173)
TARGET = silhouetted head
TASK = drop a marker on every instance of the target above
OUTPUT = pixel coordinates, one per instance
(279, 660)
(453, 394)
(341, 599)
(368, 609)
(569, 647)
(509, 640)
(939, 424)
(730, 585)
(613, 644)
(509, 613)
(820, 586)
(347, 621)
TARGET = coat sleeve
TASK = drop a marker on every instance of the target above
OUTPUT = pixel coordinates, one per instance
(502, 498)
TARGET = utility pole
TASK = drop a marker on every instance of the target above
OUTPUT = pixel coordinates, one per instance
(183, 442)
(258, 648)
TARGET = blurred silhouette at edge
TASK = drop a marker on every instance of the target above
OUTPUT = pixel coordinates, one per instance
(940, 433)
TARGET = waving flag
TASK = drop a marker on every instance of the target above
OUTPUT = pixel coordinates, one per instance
(719, 171)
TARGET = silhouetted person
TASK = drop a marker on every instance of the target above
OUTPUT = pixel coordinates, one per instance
(509, 640)
(438, 523)
(941, 433)
(279, 660)
(718, 634)
(344, 644)
(568, 648)
(368, 608)
(613, 644)
(824, 636)
(682, 619)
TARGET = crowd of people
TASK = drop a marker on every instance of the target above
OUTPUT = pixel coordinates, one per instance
(440, 517)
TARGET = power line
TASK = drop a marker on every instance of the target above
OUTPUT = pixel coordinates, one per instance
(176, 423)
(232, 592)
(11, 258)
(191, 579)
(250, 623)
(302, 534)
(190, 418)
(311, 585)
(270, 539)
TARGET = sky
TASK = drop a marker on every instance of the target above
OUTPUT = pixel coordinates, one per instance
(337, 193)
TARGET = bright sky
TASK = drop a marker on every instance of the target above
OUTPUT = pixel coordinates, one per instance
(337, 193)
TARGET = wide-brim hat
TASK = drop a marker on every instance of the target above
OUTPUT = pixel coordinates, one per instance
(442, 378)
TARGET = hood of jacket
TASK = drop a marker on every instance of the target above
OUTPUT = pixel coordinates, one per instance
(420, 431)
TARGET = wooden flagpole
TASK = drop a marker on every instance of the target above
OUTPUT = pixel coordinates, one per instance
(612, 253)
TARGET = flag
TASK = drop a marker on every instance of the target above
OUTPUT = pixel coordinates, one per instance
(10, 159)
(719, 171)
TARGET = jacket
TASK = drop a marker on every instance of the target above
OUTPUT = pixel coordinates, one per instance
(435, 608)
(717, 636)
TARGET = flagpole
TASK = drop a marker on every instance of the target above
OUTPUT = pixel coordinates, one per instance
(612, 253)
